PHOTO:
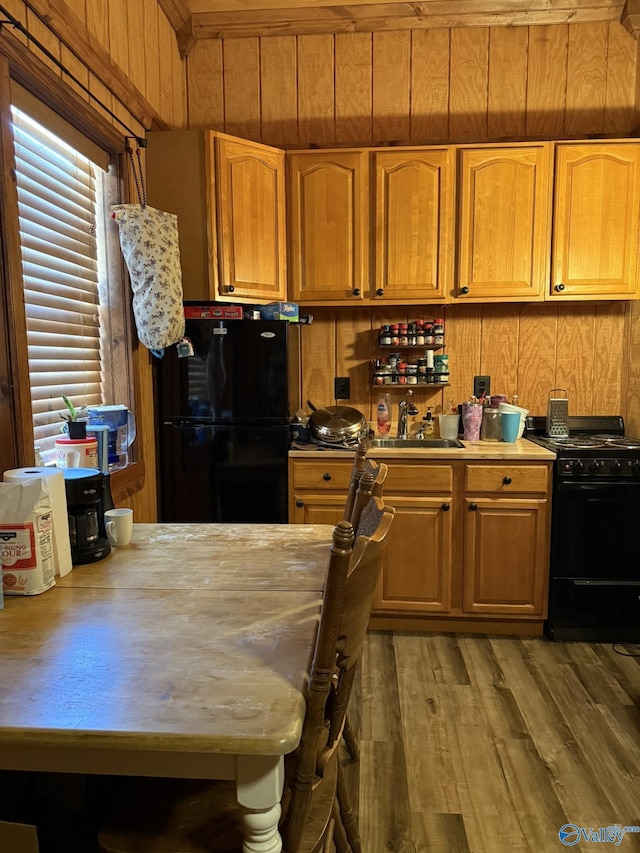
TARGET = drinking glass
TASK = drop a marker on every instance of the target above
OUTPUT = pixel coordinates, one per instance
(471, 421)
(449, 425)
(510, 426)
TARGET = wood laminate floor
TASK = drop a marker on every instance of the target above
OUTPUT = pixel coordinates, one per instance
(477, 744)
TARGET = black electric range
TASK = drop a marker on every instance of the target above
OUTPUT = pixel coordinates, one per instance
(594, 582)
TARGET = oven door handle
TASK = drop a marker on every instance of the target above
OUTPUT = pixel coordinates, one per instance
(605, 583)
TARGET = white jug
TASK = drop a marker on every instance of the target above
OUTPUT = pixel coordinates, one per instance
(76, 453)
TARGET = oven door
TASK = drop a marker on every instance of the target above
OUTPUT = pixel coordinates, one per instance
(596, 611)
(595, 526)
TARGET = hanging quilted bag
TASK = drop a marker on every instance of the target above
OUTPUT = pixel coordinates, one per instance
(149, 244)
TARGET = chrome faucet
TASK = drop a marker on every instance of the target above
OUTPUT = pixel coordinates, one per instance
(405, 407)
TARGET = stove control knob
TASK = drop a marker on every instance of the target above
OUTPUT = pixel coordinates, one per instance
(636, 466)
(578, 467)
(616, 467)
(594, 466)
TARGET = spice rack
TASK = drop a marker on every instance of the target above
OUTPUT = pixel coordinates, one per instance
(397, 371)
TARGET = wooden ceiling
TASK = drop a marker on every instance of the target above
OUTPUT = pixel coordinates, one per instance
(215, 19)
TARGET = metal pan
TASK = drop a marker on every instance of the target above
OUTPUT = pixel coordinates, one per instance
(339, 425)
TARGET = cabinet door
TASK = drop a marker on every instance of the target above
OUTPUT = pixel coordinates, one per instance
(413, 216)
(328, 222)
(251, 225)
(179, 169)
(416, 574)
(503, 223)
(506, 560)
(316, 508)
(596, 221)
(318, 490)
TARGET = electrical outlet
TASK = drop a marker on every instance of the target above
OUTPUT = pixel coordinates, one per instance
(342, 388)
(481, 385)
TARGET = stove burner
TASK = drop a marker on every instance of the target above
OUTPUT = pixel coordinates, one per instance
(623, 443)
(576, 442)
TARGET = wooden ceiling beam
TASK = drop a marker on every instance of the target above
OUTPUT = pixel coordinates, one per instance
(630, 18)
(373, 17)
(177, 12)
(73, 34)
(453, 7)
(186, 38)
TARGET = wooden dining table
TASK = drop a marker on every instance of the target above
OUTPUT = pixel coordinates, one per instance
(183, 654)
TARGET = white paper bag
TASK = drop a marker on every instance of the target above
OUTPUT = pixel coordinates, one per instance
(26, 537)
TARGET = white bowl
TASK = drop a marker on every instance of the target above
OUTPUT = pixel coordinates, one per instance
(509, 407)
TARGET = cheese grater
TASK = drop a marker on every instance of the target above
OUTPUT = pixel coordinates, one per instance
(558, 414)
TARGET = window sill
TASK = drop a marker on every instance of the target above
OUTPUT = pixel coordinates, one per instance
(125, 482)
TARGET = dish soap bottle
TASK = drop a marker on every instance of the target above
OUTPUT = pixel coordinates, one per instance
(428, 428)
(384, 414)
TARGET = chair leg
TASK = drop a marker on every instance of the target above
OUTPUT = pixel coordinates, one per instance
(339, 835)
(347, 814)
(351, 741)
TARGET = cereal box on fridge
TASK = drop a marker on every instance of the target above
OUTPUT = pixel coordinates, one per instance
(26, 537)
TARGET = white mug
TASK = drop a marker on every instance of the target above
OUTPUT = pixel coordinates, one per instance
(119, 526)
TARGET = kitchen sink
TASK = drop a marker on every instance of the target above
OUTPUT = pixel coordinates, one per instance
(417, 442)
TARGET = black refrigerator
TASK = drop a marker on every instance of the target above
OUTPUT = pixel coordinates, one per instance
(224, 415)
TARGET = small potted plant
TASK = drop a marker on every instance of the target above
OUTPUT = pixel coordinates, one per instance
(76, 428)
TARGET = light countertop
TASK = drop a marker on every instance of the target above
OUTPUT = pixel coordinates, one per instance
(520, 451)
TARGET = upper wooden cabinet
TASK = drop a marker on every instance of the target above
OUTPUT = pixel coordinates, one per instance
(413, 211)
(328, 225)
(394, 206)
(503, 223)
(228, 194)
(596, 221)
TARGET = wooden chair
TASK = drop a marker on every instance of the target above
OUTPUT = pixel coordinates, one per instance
(195, 816)
(367, 481)
(363, 465)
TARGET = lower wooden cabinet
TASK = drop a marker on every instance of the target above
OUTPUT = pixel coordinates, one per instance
(505, 556)
(469, 542)
(417, 572)
(416, 576)
(506, 539)
(318, 490)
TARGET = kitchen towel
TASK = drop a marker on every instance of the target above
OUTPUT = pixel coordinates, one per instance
(55, 484)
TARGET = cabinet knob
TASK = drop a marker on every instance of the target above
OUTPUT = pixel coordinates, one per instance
(356, 291)
(560, 287)
(299, 503)
(230, 288)
(506, 481)
(473, 507)
(326, 477)
(464, 290)
(380, 292)
(445, 507)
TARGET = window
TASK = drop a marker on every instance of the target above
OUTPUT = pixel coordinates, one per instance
(63, 198)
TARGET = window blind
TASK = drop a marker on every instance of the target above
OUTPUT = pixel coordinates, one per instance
(57, 205)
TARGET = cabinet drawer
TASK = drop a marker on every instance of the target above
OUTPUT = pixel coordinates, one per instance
(506, 478)
(420, 479)
(331, 474)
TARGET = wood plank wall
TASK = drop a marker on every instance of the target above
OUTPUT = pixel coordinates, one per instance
(460, 84)
(526, 349)
(140, 40)
(442, 84)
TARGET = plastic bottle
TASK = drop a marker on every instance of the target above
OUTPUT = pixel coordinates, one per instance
(428, 428)
(384, 414)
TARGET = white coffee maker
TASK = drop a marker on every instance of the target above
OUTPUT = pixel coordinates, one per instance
(122, 431)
